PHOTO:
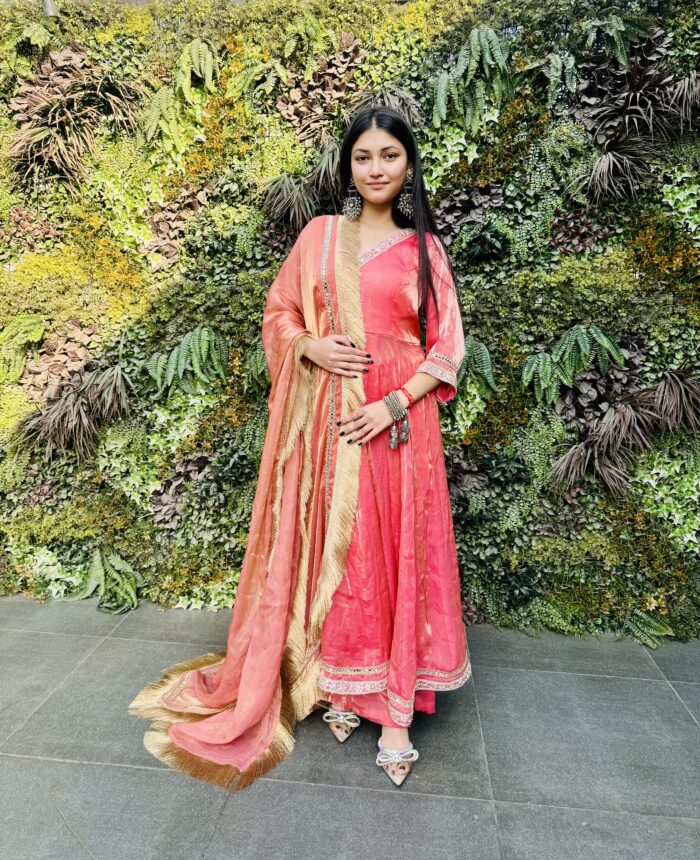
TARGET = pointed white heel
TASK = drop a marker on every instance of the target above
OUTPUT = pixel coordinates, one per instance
(341, 723)
(397, 764)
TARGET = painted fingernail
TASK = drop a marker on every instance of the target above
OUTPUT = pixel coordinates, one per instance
(349, 441)
(337, 423)
(352, 344)
(365, 369)
(342, 433)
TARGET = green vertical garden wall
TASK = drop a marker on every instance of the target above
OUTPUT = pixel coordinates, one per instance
(156, 164)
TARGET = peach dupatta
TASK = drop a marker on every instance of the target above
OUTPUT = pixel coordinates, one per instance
(229, 718)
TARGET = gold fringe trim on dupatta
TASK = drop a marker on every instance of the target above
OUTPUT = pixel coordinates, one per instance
(158, 743)
(347, 467)
(146, 703)
(300, 663)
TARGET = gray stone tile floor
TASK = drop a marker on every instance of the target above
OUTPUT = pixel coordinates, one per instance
(557, 748)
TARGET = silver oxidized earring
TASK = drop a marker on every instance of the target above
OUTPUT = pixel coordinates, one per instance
(405, 202)
(352, 205)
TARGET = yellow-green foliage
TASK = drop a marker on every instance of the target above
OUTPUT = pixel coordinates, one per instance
(85, 516)
(403, 35)
(135, 22)
(122, 184)
(13, 407)
(562, 552)
(95, 284)
(603, 290)
(7, 197)
(265, 23)
(276, 151)
(12, 467)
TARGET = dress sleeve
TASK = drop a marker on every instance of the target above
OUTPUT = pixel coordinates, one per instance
(444, 339)
(283, 325)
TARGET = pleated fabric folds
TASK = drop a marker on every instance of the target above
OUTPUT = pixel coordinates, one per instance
(229, 717)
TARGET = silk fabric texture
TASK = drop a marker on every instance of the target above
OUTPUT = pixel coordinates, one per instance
(228, 718)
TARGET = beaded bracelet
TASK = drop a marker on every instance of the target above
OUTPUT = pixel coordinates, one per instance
(408, 394)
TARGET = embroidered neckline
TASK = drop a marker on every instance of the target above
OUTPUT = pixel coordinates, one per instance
(385, 243)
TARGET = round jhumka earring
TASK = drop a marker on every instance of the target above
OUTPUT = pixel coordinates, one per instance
(352, 206)
(405, 202)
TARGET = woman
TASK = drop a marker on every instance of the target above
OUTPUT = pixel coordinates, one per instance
(349, 595)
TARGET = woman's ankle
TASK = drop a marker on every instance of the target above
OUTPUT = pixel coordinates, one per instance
(394, 738)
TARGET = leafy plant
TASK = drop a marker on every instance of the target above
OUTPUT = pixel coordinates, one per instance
(312, 105)
(645, 628)
(559, 71)
(172, 115)
(628, 428)
(115, 581)
(682, 195)
(614, 35)
(477, 361)
(60, 110)
(201, 355)
(291, 199)
(630, 104)
(257, 75)
(480, 73)
(24, 329)
(70, 422)
(571, 355)
(21, 40)
(197, 58)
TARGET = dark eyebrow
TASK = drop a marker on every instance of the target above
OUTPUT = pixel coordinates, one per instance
(391, 146)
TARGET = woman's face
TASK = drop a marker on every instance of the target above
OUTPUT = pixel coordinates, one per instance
(379, 165)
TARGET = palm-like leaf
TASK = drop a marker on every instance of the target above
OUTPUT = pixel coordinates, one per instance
(290, 199)
(480, 72)
(115, 581)
(201, 355)
(60, 110)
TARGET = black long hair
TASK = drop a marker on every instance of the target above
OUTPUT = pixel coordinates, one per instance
(381, 116)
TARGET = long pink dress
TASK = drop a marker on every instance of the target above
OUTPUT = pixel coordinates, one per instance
(395, 632)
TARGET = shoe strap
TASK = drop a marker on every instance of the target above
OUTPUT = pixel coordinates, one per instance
(388, 756)
(347, 717)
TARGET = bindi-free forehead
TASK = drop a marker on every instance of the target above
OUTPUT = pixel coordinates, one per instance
(376, 139)
(383, 149)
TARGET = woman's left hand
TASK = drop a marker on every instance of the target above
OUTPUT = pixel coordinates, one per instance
(364, 423)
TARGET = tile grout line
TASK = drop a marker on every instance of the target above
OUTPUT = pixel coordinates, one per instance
(578, 674)
(670, 684)
(488, 770)
(214, 646)
(68, 827)
(203, 855)
(59, 685)
(222, 646)
(86, 761)
(173, 774)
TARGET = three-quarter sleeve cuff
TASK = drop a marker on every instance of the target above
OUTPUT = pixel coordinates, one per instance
(444, 369)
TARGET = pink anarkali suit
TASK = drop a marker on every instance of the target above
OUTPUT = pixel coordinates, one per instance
(349, 592)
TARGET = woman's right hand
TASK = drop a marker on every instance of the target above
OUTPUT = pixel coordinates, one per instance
(335, 353)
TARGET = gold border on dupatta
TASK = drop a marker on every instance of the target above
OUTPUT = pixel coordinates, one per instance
(147, 703)
(352, 395)
(301, 666)
(300, 663)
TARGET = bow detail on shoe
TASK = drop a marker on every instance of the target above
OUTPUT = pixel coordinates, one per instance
(341, 723)
(386, 756)
(348, 717)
